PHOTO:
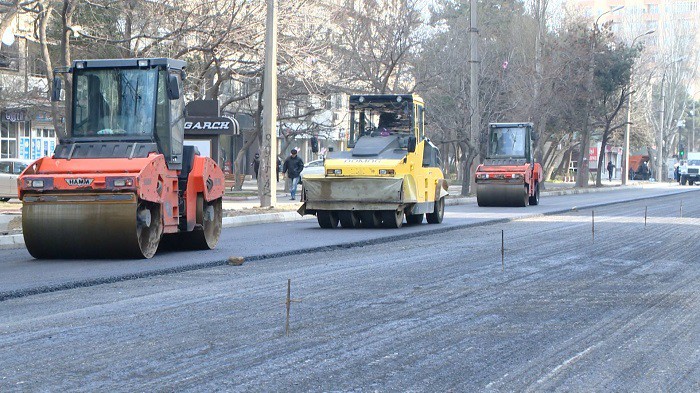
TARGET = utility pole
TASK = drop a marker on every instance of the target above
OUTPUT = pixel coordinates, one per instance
(692, 139)
(660, 134)
(473, 95)
(267, 177)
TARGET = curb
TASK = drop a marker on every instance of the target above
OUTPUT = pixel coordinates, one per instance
(9, 242)
(569, 191)
(265, 218)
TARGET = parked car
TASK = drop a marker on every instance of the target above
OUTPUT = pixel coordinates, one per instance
(314, 168)
(10, 168)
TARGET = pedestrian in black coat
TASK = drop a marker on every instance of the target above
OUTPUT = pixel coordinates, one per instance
(293, 166)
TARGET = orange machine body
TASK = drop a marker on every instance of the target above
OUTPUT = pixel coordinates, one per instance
(148, 178)
(509, 175)
(527, 175)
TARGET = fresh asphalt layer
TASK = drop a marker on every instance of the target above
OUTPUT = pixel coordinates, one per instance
(21, 275)
(564, 311)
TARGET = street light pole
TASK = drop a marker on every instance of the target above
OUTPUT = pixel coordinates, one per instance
(626, 142)
(475, 123)
(692, 140)
(267, 179)
(660, 134)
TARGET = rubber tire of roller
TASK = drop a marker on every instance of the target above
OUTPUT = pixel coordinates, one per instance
(348, 219)
(370, 219)
(438, 212)
(327, 219)
(414, 219)
(392, 218)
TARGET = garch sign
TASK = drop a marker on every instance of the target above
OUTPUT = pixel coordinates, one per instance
(14, 116)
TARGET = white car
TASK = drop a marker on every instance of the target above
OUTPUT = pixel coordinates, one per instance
(314, 168)
(10, 169)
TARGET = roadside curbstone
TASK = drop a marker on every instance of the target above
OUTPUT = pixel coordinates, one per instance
(8, 242)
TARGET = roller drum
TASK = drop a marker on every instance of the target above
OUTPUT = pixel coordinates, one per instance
(90, 226)
(512, 195)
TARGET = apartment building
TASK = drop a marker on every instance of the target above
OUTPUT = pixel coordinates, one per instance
(675, 22)
(26, 126)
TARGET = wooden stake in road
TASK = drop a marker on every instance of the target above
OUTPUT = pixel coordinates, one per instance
(289, 305)
(645, 215)
(593, 225)
(681, 214)
(503, 253)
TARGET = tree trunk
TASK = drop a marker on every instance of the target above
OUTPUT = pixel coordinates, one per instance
(44, 15)
(582, 173)
(468, 155)
(552, 174)
(67, 20)
(601, 160)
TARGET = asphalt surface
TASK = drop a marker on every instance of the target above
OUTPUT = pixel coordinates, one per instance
(437, 312)
(21, 275)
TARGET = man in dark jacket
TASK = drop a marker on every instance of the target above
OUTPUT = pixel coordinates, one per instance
(256, 165)
(293, 166)
(610, 170)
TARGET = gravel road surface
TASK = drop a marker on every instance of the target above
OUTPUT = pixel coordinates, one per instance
(439, 312)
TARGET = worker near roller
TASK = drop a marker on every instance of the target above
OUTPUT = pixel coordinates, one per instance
(292, 167)
(610, 170)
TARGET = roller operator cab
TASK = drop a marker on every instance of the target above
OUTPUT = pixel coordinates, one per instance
(121, 179)
(509, 176)
(390, 171)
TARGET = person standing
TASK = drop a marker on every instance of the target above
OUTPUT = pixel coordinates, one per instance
(256, 165)
(611, 167)
(278, 169)
(293, 166)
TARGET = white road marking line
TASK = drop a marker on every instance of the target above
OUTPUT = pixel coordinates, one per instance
(566, 363)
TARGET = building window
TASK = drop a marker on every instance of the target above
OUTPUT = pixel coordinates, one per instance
(8, 139)
(9, 56)
(43, 143)
(685, 6)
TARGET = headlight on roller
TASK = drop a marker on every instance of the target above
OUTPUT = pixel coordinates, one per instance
(482, 176)
(36, 184)
(517, 176)
(334, 172)
(119, 182)
(386, 172)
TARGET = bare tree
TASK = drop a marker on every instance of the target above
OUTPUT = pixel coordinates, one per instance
(372, 43)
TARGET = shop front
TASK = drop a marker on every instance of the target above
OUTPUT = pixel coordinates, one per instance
(25, 137)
